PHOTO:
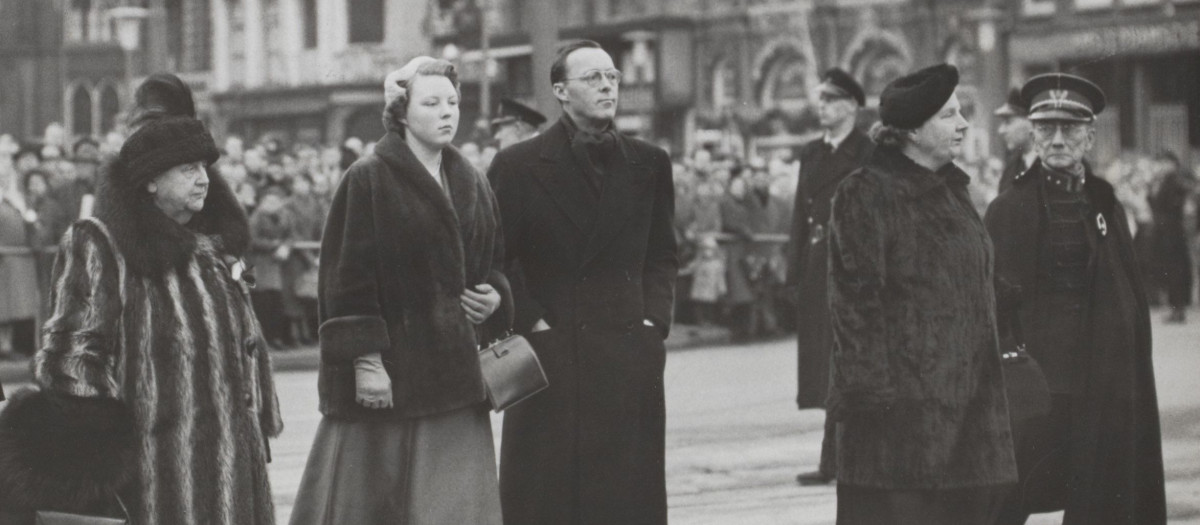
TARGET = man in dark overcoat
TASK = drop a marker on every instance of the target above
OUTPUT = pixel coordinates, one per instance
(587, 216)
(823, 164)
(1069, 291)
(1015, 131)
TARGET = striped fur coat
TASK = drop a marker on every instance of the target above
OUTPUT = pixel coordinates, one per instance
(154, 380)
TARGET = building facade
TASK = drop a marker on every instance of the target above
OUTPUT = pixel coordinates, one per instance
(1144, 54)
(741, 74)
(308, 70)
(30, 47)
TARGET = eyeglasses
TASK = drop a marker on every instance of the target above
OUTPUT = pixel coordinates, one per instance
(593, 77)
(1069, 129)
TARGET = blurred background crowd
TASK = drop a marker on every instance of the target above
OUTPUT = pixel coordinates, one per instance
(733, 220)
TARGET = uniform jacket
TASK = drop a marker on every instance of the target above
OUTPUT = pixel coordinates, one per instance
(917, 383)
(396, 255)
(808, 256)
(1118, 469)
(588, 450)
(154, 379)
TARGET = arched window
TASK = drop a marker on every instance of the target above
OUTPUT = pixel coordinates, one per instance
(875, 62)
(81, 111)
(110, 106)
(783, 80)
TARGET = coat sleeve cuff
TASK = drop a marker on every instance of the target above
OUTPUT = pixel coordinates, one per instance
(352, 336)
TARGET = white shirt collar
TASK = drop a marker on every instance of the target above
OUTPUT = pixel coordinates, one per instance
(835, 142)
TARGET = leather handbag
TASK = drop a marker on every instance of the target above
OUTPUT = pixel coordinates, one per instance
(1026, 386)
(1024, 382)
(511, 372)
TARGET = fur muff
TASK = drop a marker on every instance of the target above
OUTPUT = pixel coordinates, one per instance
(62, 452)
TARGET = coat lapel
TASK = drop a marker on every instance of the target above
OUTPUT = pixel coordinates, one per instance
(618, 199)
(834, 167)
(560, 176)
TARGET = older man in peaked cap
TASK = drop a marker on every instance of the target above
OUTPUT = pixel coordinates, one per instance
(1069, 296)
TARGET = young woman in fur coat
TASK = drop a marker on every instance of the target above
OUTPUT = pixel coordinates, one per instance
(154, 385)
(917, 381)
(409, 273)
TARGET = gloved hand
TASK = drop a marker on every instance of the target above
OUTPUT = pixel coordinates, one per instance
(372, 384)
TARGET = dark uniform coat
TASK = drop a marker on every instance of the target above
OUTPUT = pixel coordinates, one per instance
(588, 450)
(1172, 257)
(820, 173)
(917, 380)
(1117, 469)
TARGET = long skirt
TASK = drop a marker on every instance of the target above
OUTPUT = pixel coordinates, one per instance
(433, 470)
(872, 506)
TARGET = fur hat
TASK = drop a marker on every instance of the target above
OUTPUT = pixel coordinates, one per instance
(162, 144)
(161, 95)
(909, 101)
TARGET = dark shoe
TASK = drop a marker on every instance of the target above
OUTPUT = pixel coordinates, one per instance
(812, 479)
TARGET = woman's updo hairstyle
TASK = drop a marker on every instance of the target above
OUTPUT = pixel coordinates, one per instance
(395, 88)
(888, 136)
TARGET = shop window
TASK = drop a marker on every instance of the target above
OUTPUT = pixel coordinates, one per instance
(110, 106)
(366, 21)
(1085, 5)
(81, 111)
(1037, 7)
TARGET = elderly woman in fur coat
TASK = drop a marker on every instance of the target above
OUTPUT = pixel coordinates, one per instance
(917, 384)
(155, 392)
(409, 274)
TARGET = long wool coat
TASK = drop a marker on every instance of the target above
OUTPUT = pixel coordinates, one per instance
(589, 449)
(820, 174)
(1117, 465)
(396, 255)
(745, 217)
(917, 380)
(154, 378)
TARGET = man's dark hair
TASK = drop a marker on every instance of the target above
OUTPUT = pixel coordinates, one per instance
(558, 70)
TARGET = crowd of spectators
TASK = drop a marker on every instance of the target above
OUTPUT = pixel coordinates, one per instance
(733, 218)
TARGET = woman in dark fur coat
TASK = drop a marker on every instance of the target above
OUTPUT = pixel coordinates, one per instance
(154, 387)
(917, 383)
(409, 274)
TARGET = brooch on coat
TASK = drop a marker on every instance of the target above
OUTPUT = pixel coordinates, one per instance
(1101, 224)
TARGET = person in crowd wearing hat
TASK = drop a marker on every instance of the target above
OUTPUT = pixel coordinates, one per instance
(1017, 133)
(1070, 293)
(516, 122)
(19, 302)
(155, 396)
(410, 284)
(917, 387)
(588, 218)
(824, 163)
(28, 157)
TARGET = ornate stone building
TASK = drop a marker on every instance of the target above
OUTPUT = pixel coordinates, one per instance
(30, 44)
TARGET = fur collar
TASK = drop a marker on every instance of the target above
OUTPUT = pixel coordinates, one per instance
(911, 178)
(151, 242)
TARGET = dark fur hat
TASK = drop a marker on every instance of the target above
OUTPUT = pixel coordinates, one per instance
(909, 101)
(162, 94)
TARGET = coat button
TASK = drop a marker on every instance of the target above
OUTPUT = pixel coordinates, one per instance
(810, 221)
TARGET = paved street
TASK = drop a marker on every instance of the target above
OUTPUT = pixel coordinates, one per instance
(735, 441)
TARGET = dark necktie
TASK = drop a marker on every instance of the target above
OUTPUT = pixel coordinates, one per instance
(594, 150)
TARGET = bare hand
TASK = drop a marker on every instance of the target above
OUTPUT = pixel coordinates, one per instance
(479, 304)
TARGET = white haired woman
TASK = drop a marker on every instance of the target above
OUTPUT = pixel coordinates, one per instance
(409, 283)
(155, 388)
